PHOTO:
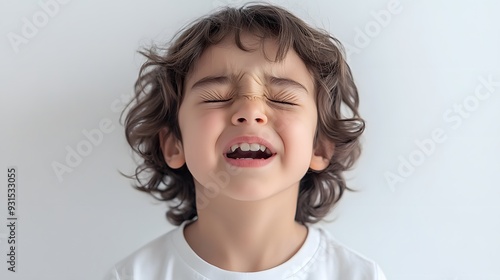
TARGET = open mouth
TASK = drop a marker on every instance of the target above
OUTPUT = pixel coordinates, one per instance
(249, 151)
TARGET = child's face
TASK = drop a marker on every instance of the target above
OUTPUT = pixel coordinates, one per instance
(249, 84)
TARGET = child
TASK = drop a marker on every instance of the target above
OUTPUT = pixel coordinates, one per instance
(240, 122)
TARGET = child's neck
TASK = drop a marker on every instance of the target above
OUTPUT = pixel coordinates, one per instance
(247, 237)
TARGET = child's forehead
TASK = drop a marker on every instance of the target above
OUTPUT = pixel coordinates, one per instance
(252, 44)
(218, 59)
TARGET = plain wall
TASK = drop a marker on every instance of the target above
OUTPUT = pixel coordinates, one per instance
(428, 177)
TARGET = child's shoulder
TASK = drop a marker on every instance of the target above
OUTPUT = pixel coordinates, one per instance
(146, 260)
(338, 259)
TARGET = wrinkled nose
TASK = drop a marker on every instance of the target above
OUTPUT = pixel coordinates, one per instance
(250, 110)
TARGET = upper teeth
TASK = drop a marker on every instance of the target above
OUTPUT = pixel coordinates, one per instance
(249, 147)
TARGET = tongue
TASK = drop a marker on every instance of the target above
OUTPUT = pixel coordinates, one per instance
(247, 154)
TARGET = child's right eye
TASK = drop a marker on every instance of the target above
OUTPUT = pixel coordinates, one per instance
(216, 100)
(215, 97)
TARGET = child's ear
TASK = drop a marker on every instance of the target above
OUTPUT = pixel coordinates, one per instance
(322, 153)
(172, 150)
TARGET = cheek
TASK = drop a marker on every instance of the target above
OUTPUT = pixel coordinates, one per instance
(200, 131)
(195, 121)
(297, 133)
(298, 136)
(302, 123)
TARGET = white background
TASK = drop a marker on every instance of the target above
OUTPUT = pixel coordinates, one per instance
(440, 222)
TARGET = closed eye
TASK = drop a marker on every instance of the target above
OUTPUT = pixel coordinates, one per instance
(214, 96)
(282, 102)
(216, 100)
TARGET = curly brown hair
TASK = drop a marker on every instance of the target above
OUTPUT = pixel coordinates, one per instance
(159, 93)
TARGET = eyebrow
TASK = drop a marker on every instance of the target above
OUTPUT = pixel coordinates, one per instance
(210, 80)
(287, 82)
(225, 80)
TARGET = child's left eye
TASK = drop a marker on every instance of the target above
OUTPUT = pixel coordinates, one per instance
(282, 102)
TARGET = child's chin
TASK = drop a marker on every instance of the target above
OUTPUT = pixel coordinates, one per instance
(248, 192)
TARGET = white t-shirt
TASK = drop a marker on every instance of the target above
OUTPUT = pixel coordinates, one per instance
(169, 257)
